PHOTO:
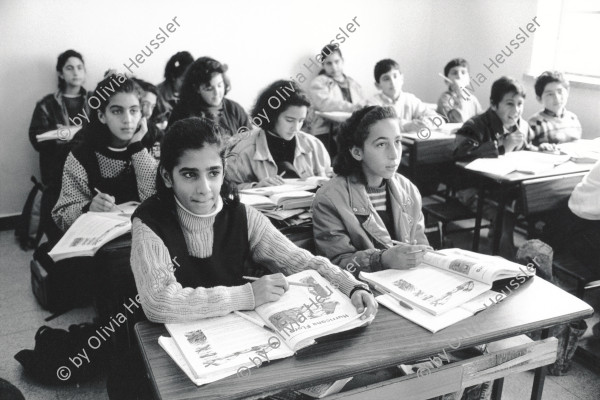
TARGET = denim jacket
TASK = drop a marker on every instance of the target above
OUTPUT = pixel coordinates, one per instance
(349, 231)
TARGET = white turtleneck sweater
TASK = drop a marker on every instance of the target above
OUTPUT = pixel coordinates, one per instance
(164, 300)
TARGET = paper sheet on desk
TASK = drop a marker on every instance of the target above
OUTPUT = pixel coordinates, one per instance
(527, 162)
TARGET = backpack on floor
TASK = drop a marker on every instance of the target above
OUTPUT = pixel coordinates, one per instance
(63, 285)
(29, 230)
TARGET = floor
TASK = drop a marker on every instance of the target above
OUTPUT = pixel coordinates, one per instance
(22, 316)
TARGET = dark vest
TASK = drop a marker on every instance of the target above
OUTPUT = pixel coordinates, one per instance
(123, 186)
(230, 255)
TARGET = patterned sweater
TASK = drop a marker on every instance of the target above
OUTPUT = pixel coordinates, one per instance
(164, 300)
(75, 194)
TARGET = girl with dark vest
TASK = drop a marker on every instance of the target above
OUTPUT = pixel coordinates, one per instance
(193, 240)
(61, 109)
(110, 159)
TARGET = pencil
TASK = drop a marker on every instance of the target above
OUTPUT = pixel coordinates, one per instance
(415, 252)
(254, 321)
(445, 78)
(118, 208)
(282, 174)
(252, 278)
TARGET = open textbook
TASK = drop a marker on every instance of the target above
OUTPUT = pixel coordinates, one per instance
(93, 230)
(445, 280)
(214, 348)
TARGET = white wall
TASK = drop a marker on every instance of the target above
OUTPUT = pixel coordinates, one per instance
(260, 40)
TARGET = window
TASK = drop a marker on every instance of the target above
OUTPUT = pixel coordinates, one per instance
(567, 39)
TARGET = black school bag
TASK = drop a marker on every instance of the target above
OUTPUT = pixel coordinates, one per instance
(62, 285)
(29, 230)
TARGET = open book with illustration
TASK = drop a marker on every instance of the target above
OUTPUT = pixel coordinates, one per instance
(445, 280)
(93, 230)
(214, 348)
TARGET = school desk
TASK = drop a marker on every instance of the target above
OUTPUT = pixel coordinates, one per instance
(504, 188)
(391, 340)
(427, 160)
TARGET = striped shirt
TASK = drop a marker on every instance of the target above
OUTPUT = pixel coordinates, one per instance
(379, 200)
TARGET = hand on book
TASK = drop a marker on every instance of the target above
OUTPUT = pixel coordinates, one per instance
(269, 288)
(362, 300)
(102, 202)
(404, 256)
(270, 181)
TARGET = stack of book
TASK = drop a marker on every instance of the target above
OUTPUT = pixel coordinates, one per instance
(286, 205)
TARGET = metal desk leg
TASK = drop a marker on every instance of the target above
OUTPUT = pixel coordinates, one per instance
(540, 375)
(498, 224)
(478, 216)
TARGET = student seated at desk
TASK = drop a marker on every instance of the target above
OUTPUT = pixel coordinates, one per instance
(458, 104)
(369, 215)
(110, 166)
(332, 90)
(412, 112)
(191, 241)
(279, 147)
(54, 111)
(554, 124)
(203, 95)
(500, 129)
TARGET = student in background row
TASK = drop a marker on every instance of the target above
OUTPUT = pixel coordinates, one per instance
(197, 218)
(110, 166)
(501, 129)
(53, 112)
(412, 112)
(332, 90)
(169, 89)
(458, 104)
(151, 141)
(279, 148)
(203, 95)
(554, 124)
(369, 216)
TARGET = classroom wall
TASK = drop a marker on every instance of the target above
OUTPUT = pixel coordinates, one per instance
(261, 41)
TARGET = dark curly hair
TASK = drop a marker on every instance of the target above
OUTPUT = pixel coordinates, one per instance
(199, 73)
(177, 65)
(503, 86)
(192, 134)
(60, 63)
(549, 77)
(293, 96)
(354, 132)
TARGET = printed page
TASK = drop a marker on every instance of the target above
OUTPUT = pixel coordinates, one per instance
(257, 201)
(89, 232)
(305, 313)
(427, 287)
(225, 344)
(477, 266)
(434, 323)
(169, 345)
(534, 162)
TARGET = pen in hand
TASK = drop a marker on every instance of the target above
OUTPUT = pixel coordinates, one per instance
(114, 205)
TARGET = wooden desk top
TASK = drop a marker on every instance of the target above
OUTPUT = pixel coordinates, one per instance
(390, 340)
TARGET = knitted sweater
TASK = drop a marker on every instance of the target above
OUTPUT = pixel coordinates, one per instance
(164, 300)
(75, 194)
